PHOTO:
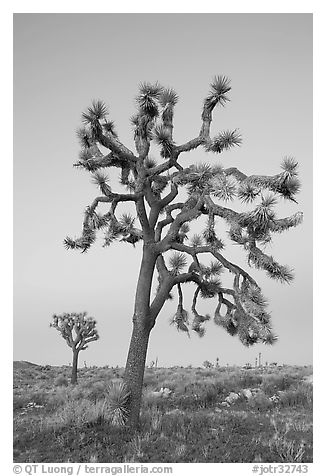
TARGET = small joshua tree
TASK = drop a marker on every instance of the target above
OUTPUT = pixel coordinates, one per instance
(78, 330)
(163, 215)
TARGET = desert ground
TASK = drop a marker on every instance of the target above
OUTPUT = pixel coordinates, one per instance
(192, 415)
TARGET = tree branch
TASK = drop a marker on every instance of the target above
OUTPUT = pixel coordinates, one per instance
(169, 219)
(111, 142)
(189, 212)
(142, 216)
(193, 251)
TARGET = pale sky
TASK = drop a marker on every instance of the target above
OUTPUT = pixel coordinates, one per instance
(62, 62)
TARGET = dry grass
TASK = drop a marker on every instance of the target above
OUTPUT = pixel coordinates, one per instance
(59, 423)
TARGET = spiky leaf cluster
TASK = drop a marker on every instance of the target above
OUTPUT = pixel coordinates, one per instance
(220, 86)
(147, 99)
(93, 115)
(143, 127)
(262, 217)
(246, 318)
(86, 155)
(77, 329)
(126, 223)
(197, 325)
(161, 136)
(83, 243)
(251, 332)
(199, 319)
(87, 160)
(177, 263)
(96, 112)
(210, 237)
(288, 187)
(258, 222)
(215, 268)
(236, 234)
(113, 232)
(223, 187)
(285, 184)
(159, 183)
(290, 222)
(274, 270)
(168, 97)
(132, 238)
(109, 127)
(85, 138)
(181, 319)
(182, 234)
(227, 321)
(198, 177)
(290, 168)
(101, 180)
(225, 140)
(150, 162)
(247, 192)
(96, 221)
(254, 304)
(209, 288)
(116, 402)
(209, 284)
(196, 240)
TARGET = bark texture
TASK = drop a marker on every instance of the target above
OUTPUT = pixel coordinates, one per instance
(142, 325)
(74, 367)
(135, 367)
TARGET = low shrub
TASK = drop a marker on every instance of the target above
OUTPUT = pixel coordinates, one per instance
(250, 380)
(77, 414)
(40, 397)
(274, 382)
(260, 402)
(61, 381)
(98, 391)
(286, 450)
(60, 395)
(187, 402)
(19, 401)
(176, 423)
(301, 396)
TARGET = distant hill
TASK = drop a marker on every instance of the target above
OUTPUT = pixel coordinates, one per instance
(23, 364)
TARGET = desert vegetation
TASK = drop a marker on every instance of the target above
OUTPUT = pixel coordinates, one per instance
(164, 198)
(187, 415)
(78, 330)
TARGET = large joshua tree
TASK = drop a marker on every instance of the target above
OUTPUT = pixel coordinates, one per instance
(163, 214)
(78, 330)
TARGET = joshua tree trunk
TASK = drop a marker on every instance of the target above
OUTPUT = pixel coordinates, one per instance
(135, 368)
(74, 366)
(142, 325)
